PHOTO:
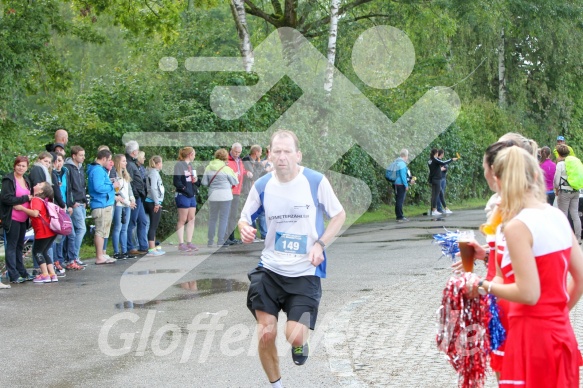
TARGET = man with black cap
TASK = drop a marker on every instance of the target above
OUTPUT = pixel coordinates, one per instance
(561, 140)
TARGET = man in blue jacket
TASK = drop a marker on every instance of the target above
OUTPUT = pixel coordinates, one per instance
(102, 193)
(401, 184)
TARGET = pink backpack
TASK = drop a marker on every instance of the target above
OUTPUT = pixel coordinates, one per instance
(60, 222)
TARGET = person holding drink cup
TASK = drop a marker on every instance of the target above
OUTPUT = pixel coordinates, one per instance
(541, 349)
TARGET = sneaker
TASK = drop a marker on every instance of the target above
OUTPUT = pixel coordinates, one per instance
(447, 211)
(257, 240)
(155, 252)
(435, 213)
(159, 247)
(58, 266)
(36, 272)
(129, 256)
(183, 248)
(192, 247)
(54, 278)
(42, 279)
(19, 280)
(79, 262)
(119, 256)
(29, 278)
(4, 286)
(404, 219)
(74, 266)
(300, 354)
(211, 245)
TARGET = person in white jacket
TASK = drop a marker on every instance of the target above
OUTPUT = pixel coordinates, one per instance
(124, 201)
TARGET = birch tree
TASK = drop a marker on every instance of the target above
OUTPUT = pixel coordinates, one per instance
(245, 47)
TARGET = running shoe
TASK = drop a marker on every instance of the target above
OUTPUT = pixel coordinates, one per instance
(19, 280)
(183, 248)
(300, 354)
(192, 247)
(42, 279)
(29, 277)
(435, 213)
(447, 211)
(74, 266)
(79, 262)
(155, 252)
(129, 256)
(54, 278)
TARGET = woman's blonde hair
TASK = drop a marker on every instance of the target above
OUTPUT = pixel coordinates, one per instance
(121, 172)
(184, 152)
(519, 174)
(528, 144)
(154, 160)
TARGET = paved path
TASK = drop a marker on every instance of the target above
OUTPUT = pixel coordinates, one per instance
(376, 326)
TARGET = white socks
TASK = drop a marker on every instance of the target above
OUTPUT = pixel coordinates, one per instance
(277, 384)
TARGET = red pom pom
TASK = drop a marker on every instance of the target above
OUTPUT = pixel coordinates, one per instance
(463, 331)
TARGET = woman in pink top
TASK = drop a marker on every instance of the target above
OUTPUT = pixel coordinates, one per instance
(16, 190)
(549, 167)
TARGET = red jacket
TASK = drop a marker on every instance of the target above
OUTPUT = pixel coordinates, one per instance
(239, 169)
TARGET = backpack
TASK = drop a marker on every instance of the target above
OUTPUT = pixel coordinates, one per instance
(60, 222)
(574, 169)
(391, 172)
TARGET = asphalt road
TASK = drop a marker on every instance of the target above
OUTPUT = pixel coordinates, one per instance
(376, 325)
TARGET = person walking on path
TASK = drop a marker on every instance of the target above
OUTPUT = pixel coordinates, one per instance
(436, 168)
(293, 261)
(441, 205)
(16, 190)
(549, 168)
(186, 184)
(153, 203)
(401, 185)
(567, 197)
(219, 178)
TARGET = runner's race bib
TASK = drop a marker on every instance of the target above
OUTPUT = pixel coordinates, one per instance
(294, 244)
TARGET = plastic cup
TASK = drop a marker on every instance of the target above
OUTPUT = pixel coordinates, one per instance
(466, 250)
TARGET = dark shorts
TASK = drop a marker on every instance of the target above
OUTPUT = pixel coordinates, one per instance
(184, 202)
(298, 297)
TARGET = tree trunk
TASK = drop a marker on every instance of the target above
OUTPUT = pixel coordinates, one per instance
(238, 11)
(502, 72)
(333, 33)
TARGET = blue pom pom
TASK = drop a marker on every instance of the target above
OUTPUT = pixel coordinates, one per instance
(497, 331)
(448, 243)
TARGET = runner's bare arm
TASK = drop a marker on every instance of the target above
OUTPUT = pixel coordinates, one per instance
(336, 222)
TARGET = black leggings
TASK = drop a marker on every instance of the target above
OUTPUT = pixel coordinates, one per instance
(154, 219)
(40, 250)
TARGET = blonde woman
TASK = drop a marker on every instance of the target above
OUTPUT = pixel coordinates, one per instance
(153, 203)
(124, 201)
(541, 349)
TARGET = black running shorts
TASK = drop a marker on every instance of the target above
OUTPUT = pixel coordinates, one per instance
(298, 297)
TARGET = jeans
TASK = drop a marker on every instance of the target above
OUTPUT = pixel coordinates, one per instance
(400, 192)
(233, 218)
(78, 220)
(138, 218)
(119, 234)
(441, 200)
(262, 225)
(13, 246)
(218, 210)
